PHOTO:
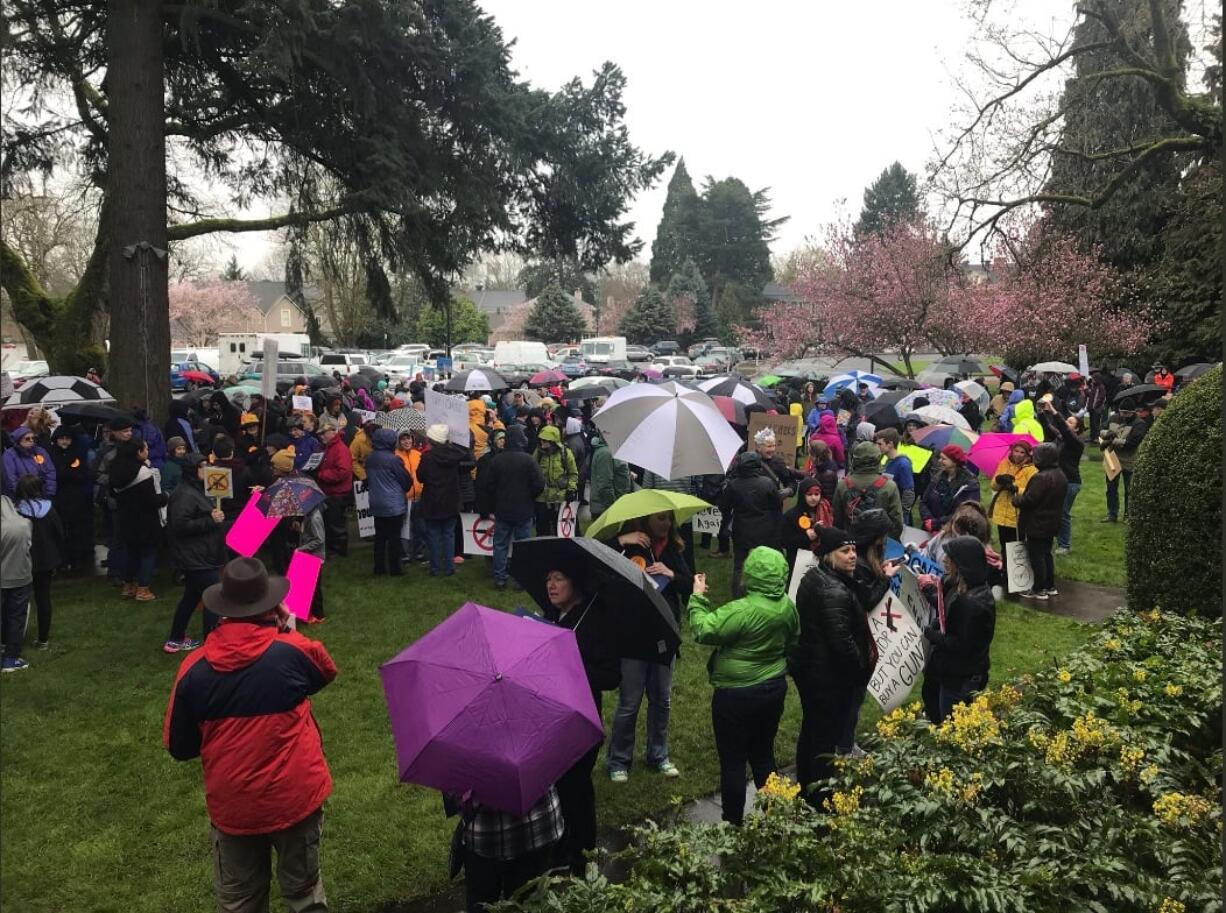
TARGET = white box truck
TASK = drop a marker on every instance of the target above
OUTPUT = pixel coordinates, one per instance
(520, 352)
(235, 349)
(600, 350)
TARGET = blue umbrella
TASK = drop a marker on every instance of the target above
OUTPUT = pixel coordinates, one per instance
(851, 379)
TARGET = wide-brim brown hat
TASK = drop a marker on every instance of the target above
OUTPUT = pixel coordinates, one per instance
(246, 589)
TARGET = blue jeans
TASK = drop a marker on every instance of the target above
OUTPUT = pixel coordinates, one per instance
(638, 678)
(1113, 493)
(504, 535)
(14, 612)
(139, 564)
(440, 545)
(1065, 537)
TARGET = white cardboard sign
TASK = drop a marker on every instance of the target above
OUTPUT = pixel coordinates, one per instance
(707, 521)
(896, 626)
(478, 534)
(361, 501)
(805, 559)
(451, 411)
(568, 520)
(1018, 572)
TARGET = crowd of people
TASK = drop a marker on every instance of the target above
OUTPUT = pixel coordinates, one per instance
(859, 480)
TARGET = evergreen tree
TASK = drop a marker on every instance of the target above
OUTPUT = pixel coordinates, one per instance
(677, 236)
(687, 293)
(738, 306)
(468, 324)
(735, 237)
(893, 197)
(555, 318)
(649, 319)
(233, 272)
(563, 272)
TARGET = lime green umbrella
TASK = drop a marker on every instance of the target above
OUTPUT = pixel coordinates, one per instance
(768, 381)
(644, 503)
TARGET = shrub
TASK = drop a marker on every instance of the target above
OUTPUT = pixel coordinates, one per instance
(1089, 787)
(1173, 547)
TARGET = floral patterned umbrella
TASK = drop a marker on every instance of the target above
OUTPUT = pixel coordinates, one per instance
(290, 498)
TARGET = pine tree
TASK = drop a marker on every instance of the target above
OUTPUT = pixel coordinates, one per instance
(688, 295)
(555, 317)
(735, 237)
(649, 319)
(677, 236)
(565, 273)
(233, 272)
(893, 197)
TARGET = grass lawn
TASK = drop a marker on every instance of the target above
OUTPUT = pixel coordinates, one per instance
(97, 817)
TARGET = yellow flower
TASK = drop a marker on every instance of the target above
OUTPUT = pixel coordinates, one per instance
(1149, 773)
(1037, 738)
(1113, 644)
(1139, 674)
(970, 793)
(845, 804)
(1173, 690)
(1060, 750)
(1123, 631)
(1092, 733)
(1130, 759)
(1152, 617)
(941, 781)
(1003, 698)
(971, 727)
(1169, 905)
(891, 725)
(779, 787)
(1181, 808)
(1065, 676)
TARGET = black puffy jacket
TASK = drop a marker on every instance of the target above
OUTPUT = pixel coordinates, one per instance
(835, 648)
(964, 648)
(757, 510)
(197, 543)
(1041, 505)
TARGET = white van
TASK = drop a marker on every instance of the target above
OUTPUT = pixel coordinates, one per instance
(521, 352)
(600, 350)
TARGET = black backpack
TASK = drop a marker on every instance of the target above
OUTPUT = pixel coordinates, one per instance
(862, 499)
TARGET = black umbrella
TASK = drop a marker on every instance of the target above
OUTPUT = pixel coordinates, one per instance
(476, 380)
(1190, 372)
(88, 413)
(1008, 374)
(318, 382)
(891, 382)
(645, 624)
(1141, 392)
(890, 397)
(883, 415)
(960, 366)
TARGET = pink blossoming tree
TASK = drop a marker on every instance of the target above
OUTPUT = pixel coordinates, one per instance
(201, 310)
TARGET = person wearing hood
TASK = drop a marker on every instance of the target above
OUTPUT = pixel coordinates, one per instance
(27, 458)
(1024, 421)
(73, 498)
(481, 475)
(16, 580)
(961, 638)
(242, 705)
(389, 484)
(576, 440)
(561, 473)
(1005, 422)
(865, 488)
(950, 485)
(221, 416)
(752, 498)
(139, 500)
(197, 550)
(439, 473)
(752, 636)
(969, 410)
(478, 429)
(180, 425)
(335, 478)
(813, 416)
(510, 485)
(172, 469)
(46, 548)
(534, 421)
(828, 433)
(361, 447)
(1011, 477)
(610, 477)
(832, 660)
(1041, 507)
(802, 522)
(150, 434)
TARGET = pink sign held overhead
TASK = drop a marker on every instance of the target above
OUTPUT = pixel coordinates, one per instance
(250, 528)
(303, 577)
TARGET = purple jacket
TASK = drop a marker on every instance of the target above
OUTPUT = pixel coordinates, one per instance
(153, 437)
(19, 462)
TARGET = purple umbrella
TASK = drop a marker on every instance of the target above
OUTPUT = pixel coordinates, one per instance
(491, 706)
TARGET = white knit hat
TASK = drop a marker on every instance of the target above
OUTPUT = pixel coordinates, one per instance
(764, 437)
(437, 433)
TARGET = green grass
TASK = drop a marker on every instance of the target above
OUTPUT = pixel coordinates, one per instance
(97, 817)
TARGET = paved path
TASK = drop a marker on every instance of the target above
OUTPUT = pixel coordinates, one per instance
(1087, 603)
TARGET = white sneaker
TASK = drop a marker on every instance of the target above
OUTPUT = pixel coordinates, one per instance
(619, 776)
(668, 769)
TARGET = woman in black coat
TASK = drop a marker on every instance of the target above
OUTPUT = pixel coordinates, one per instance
(962, 641)
(197, 549)
(1041, 509)
(73, 498)
(833, 658)
(140, 500)
(752, 497)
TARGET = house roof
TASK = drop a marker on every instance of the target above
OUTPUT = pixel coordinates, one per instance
(493, 301)
(773, 291)
(268, 292)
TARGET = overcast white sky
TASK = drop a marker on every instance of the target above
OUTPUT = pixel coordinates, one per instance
(811, 99)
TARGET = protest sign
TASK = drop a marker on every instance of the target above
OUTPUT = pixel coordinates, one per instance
(268, 375)
(568, 520)
(707, 522)
(805, 560)
(303, 404)
(895, 626)
(218, 482)
(250, 528)
(406, 528)
(1083, 361)
(303, 577)
(786, 427)
(451, 411)
(478, 534)
(363, 416)
(361, 500)
(313, 461)
(1018, 573)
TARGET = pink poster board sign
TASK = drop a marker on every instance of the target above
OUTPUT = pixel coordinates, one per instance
(250, 528)
(303, 577)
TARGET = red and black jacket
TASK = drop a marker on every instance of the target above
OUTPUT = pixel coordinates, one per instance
(241, 703)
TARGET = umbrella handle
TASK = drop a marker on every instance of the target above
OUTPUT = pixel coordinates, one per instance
(584, 615)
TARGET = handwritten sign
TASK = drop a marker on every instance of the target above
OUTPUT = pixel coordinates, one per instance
(786, 427)
(707, 522)
(1083, 361)
(895, 625)
(361, 501)
(268, 375)
(218, 482)
(303, 404)
(1018, 571)
(451, 411)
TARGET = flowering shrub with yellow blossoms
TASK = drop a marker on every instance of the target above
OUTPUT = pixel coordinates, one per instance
(1092, 786)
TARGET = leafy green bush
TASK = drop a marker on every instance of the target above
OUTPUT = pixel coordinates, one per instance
(1091, 787)
(1174, 544)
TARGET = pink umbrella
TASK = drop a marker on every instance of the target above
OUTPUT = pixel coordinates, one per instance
(491, 706)
(987, 452)
(546, 378)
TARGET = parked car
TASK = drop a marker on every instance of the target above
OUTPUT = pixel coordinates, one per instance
(345, 362)
(288, 370)
(666, 347)
(573, 366)
(709, 365)
(401, 368)
(191, 375)
(638, 353)
(683, 372)
(670, 361)
(623, 369)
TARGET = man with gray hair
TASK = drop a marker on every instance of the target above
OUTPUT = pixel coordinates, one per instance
(335, 478)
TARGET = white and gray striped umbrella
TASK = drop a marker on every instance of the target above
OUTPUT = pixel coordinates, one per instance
(668, 429)
(57, 390)
(477, 380)
(739, 389)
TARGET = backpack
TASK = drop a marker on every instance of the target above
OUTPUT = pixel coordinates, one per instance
(862, 499)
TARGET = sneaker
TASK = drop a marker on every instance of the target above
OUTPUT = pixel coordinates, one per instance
(459, 559)
(1052, 592)
(1029, 594)
(500, 584)
(41, 645)
(172, 646)
(1109, 520)
(187, 644)
(128, 591)
(14, 664)
(668, 769)
(615, 776)
(1040, 595)
(1063, 551)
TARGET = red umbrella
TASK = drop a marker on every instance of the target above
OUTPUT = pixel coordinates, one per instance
(545, 378)
(731, 409)
(197, 376)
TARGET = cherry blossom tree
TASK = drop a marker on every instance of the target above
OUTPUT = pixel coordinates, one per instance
(1046, 296)
(899, 290)
(201, 310)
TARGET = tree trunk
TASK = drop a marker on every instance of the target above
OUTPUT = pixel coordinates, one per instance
(139, 366)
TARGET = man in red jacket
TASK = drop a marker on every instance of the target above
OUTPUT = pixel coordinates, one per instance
(241, 704)
(335, 478)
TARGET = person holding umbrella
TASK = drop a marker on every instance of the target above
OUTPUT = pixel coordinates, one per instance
(439, 473)
(1124, 436)
(298, 498)
(1011, 477)
(561, 472)
(752, 636)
